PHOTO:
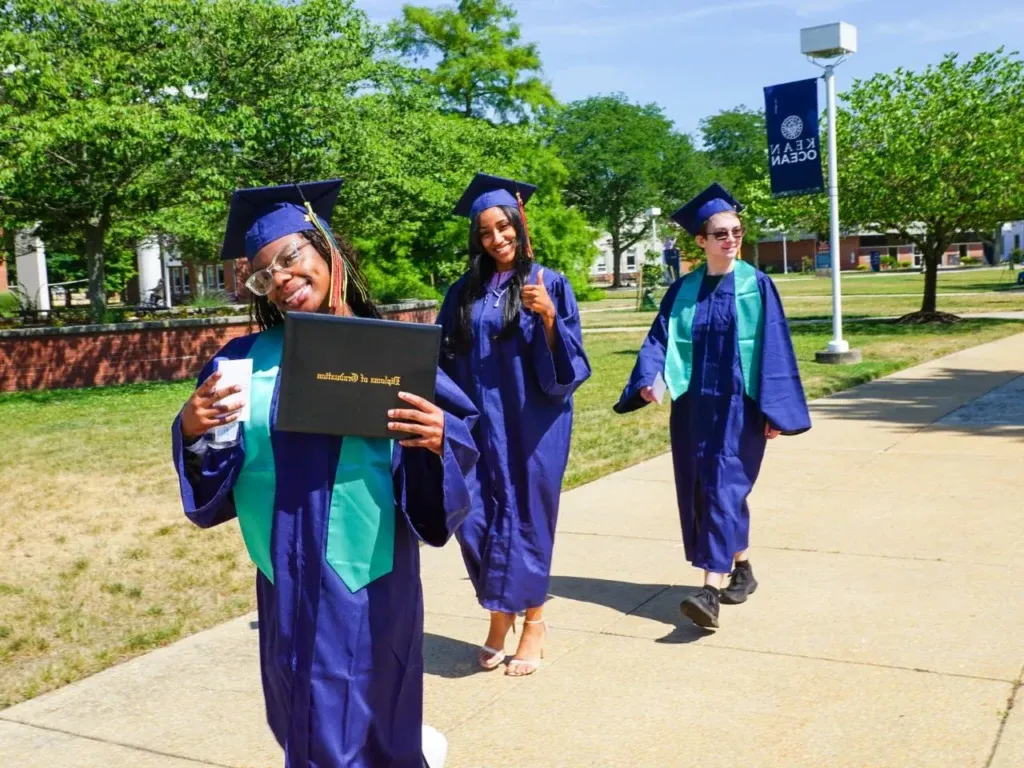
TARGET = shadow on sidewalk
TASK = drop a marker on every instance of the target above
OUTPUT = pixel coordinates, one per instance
(997, 408)
(655, 602)
(449, 658)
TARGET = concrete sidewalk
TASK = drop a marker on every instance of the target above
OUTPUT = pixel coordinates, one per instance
(888, 629)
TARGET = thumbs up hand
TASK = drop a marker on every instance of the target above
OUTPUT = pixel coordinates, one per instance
(536, 298)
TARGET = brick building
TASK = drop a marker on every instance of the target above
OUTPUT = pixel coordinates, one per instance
(854, 250)
(191, 278)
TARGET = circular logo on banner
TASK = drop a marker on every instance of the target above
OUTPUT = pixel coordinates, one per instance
(792, 127)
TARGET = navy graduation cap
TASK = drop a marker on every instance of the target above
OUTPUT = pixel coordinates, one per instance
(261, 215)
(486, 191)
(714, 199)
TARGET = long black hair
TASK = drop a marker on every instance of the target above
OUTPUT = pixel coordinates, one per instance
(481, 270)
(263, 312)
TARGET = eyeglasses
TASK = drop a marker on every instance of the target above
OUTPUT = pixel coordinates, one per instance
(262, 282)
(722, 234)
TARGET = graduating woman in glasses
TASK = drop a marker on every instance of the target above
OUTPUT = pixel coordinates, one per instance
(513, 343)
(332, 524)
(720, 346)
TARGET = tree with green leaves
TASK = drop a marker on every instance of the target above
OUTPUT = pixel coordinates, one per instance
(736, 145)
(278, 88)
(483, 68)
(622, 159)
(934, 155)
(417, 164)
(96, 122)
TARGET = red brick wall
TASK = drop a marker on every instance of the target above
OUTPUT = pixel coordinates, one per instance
(103, 357)
(770, 254)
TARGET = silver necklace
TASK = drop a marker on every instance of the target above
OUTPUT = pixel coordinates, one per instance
(498, 295)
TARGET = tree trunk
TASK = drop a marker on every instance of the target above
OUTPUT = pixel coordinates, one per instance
(94, 236)
(931, 277)
(757, 256)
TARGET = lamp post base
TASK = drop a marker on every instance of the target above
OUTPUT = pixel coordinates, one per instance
(828, 357)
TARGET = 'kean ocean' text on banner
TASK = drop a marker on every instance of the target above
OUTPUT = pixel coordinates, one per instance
(794, 149)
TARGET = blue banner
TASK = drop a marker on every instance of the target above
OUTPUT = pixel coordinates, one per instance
(794, 149)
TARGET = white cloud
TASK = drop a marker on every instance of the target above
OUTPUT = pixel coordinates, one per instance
(949, 27)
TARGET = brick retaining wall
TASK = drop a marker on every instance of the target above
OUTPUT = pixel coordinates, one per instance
(94, 356)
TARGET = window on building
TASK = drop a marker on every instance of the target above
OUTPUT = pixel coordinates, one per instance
(631, 260)
(179, 281)
(874, 241)
(963, 251)
(601, 267)
(894, 252)
(1016, 242)
(213, 279)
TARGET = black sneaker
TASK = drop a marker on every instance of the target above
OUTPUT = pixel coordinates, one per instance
(741, 584)
(702, 608)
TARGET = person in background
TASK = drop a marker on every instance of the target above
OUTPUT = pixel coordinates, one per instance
(670, 258)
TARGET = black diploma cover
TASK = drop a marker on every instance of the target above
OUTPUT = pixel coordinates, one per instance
(341, 375)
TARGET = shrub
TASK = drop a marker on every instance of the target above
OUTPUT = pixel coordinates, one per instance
(8, 304)
(209, 300)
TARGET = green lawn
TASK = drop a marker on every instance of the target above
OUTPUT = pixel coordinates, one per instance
(881, 295)
(887, 283)
(100, 564)
(820, 308)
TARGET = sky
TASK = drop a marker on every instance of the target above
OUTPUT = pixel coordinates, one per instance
(696, 59)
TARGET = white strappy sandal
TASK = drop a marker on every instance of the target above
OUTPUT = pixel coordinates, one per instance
(495, 656)
(492, 660)
(528, 665)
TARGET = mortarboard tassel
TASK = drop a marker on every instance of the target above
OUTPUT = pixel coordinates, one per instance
(337, 284)
(339, 267)
(526, 226)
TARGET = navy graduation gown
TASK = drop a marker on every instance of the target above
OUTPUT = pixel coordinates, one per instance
(342, 671)
(717, 431)
(523, 391)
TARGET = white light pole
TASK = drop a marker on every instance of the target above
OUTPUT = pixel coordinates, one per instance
(785, 259)
(166, 271)
(833, 42)
(654, 213)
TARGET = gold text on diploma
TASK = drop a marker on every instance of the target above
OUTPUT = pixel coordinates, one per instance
(361, 378)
